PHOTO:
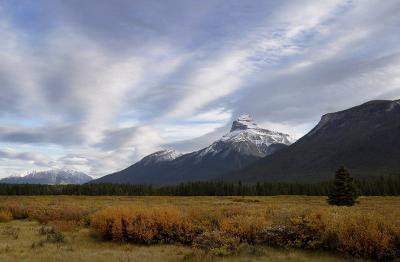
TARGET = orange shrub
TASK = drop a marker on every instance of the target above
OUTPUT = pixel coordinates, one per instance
(371, 236)
(205, 220)
(45, 215)
(5, 216)
(308, 228)
(18, 211)
(342, 230)
(245, 227)
(144, 225)
(370, 229)
(337, 229)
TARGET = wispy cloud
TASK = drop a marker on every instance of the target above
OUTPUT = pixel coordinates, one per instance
(107, 83)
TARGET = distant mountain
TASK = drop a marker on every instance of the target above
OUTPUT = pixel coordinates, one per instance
(365, 138)
(245, 143)
(49, 177)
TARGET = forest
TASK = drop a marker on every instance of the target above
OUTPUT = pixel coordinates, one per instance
(377, 186)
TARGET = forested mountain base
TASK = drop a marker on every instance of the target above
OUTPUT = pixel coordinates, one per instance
(378, 186)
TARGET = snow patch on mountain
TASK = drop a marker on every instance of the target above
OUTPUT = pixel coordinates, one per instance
(393, 105)
(51, 177)
(160, 156)
(248, 138)
(245, 138)
(244, 122)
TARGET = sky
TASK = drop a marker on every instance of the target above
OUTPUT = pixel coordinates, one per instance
(95, 85)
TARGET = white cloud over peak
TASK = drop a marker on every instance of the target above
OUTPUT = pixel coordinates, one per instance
(107, 83)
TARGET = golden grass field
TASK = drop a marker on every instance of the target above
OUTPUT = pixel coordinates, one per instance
(275, 228)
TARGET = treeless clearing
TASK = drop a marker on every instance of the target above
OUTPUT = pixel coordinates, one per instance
(191, 228)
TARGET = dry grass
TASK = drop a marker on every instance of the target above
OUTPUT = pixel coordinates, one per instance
(5, 216)
(143, 225)
(223, 225)
(81, 246)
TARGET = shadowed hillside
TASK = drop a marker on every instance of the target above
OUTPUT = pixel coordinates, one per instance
(365, 138)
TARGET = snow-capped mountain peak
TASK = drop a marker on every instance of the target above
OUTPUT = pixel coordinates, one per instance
(244, 144)
(244, 122)
(246, 129)
(246, 137)
(52, 177)
(160, 156)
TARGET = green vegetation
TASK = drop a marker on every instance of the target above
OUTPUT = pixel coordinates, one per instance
(378, 186)
(343, 192)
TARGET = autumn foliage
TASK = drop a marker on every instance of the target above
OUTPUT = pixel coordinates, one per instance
(5, 216)
(222, 225)
(326, 229)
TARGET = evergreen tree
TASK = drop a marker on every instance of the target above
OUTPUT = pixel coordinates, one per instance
(343, 192)
(372, 186)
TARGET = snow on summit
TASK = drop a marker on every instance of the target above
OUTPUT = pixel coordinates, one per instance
(245, 128)
(248, 138)
(243, 122)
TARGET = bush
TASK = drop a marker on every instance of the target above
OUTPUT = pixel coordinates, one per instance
(278, 235)
(11, 231)
(5, 216)
(371, 237)
(308, 229)
(45, 215)
(151, 225)
(217, 243)
(52, 235)
(334, 229)
(247, 228)
(18, 211)
(339, 230)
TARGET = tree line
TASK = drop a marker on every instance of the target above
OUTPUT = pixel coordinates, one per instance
(378, 186)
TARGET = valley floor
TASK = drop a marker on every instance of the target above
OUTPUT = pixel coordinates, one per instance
(69, 228)
(20, 242)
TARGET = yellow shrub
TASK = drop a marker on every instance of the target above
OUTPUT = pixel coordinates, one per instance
(245, 227)
(370, 229)
(18, 211)
(144, 225)
(216, 243)
(346, 231)
(5, 216)
(308, 228)
(45, 215)
(365, 236)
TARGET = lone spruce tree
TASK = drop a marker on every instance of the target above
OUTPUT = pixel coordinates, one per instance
(343, 192)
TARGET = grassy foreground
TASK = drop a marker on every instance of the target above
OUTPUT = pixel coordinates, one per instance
(68, 228)
(20, 241)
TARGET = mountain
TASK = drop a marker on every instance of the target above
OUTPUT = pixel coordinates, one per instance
(50, 177)
(245, 143)
(365, 139)
(159, 157)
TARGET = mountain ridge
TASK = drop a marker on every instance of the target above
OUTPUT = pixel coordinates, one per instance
(364, 138)
(49, 177)
(245, 143)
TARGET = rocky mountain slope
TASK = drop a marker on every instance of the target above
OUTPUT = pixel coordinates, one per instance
(245, 143)
(365, 138)
(50, 177)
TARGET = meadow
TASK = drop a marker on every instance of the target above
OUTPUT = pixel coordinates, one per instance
(272, 228)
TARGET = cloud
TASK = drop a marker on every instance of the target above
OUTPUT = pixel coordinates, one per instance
(109, 83)
(60, 135)
(32, 157)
